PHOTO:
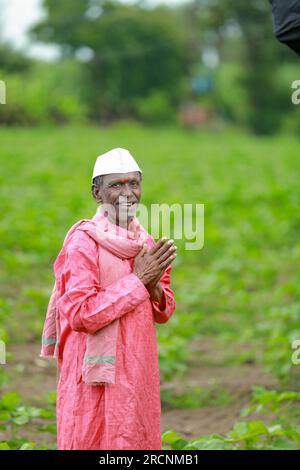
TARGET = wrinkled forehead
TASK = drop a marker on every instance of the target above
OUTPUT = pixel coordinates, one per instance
(122, 177)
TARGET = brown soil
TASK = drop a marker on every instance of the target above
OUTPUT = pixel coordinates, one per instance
(236, 380)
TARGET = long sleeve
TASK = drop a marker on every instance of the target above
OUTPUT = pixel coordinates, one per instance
(85, 304)
(162, 316)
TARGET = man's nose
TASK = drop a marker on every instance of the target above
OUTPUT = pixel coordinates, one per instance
(126, 190)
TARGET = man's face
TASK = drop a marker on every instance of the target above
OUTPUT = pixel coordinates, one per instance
(120, 194)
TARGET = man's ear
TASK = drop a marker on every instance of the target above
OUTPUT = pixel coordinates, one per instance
(96, 193)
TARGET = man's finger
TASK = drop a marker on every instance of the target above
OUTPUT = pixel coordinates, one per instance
(158, 245)
(170, 251)
(168, 261)
(166, 246)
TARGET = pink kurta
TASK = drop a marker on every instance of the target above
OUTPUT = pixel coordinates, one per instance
(124, 415)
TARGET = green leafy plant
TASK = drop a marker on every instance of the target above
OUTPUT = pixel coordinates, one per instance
(253, 435)
(14, 415)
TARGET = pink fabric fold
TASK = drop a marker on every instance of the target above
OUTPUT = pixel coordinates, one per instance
(115, 245)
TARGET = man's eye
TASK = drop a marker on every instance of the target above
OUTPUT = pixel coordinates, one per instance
(134, 184)
(116, 185)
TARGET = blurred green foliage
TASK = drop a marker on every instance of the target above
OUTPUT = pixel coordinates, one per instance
(132, 61)
(135, 51)
(45, 94)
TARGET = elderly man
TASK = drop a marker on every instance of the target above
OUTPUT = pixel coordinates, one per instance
(112, 283)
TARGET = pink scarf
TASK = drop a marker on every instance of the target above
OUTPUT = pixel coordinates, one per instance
(115, 247)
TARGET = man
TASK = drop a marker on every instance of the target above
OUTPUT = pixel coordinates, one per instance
(112, 285)
(286, 18)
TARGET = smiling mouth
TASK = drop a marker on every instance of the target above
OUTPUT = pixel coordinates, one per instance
(125, 204)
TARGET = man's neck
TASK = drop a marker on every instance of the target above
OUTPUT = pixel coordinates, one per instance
(125, 224)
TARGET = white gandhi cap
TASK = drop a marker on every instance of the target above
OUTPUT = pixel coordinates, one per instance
(117, 160)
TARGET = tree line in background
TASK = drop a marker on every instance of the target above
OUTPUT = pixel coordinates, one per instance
(132, 61)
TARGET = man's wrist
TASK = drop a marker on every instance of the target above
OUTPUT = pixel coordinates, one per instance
(156, 293)
(154, 287)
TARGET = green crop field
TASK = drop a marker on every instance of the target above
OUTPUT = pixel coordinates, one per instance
(238, 298)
